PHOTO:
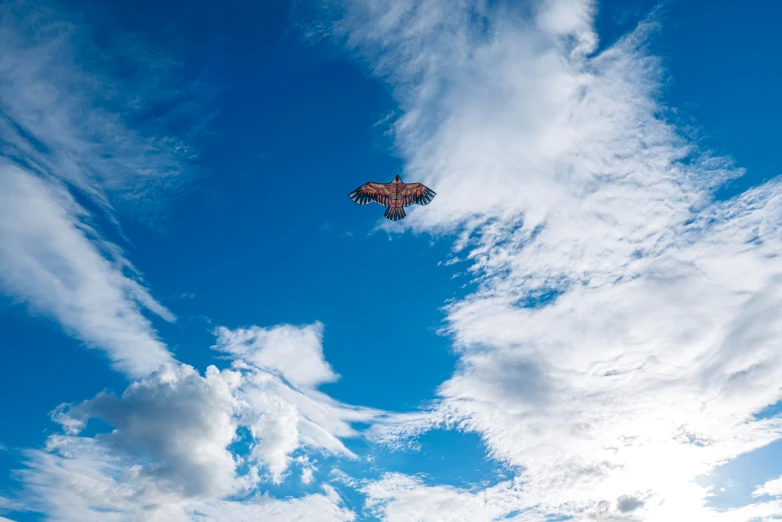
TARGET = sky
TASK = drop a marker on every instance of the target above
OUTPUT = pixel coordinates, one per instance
(197, 324)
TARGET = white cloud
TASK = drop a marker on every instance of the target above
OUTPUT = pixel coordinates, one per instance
(282, 366)
(311, 508)
(308, 469)
(295, 353)
(399, 498)
(8, 504)
(65, 108)
(772, 488)
(565, 177)
(175, 450)
(307, 475)
(179, 420)
(49, 261)
(67, 151)
(80, 480)
(557, 166)
(71, 164)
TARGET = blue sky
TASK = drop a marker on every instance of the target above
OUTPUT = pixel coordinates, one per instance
(198, 324)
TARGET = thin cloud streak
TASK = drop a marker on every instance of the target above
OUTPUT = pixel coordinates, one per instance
(67, 161)
(49, 261)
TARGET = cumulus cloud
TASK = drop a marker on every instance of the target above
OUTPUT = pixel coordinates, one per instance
(79, 479)
(627, 504)
(626, 324)
(282, 367)
(176, 449)
(181, 421)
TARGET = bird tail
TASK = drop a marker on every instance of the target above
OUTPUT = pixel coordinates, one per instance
(395, 213)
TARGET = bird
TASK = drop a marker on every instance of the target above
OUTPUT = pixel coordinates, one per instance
(395, 195)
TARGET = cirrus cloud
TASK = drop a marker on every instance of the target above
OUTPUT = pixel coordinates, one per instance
(625, 328)
(68, 159)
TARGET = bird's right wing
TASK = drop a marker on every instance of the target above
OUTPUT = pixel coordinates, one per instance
(380, 193)
(415, 194)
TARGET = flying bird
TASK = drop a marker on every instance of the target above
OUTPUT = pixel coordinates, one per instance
(395, 195)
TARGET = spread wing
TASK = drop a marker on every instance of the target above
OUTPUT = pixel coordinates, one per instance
(415, 194)
(380, 193)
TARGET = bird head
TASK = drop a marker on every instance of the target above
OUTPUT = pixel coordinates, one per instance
(397, 179)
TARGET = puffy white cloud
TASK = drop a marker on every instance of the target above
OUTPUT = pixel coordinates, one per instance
(80, 479)
(175, 450)
(281, 367)
(564, 179)
(180, 421)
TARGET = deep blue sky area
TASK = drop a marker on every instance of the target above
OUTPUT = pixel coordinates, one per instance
(267, 235)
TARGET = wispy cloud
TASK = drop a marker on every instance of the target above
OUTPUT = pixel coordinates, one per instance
(397, 498)
(771, 488)
(67, 106)
(50, 261)
(655, 342)
(68, 159)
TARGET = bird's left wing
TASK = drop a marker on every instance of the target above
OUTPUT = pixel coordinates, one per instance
(380, 193)
(415, 194)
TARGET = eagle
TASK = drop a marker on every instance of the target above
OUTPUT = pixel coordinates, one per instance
(395, 195)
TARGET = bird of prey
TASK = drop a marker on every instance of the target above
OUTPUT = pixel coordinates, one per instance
(395, 195)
